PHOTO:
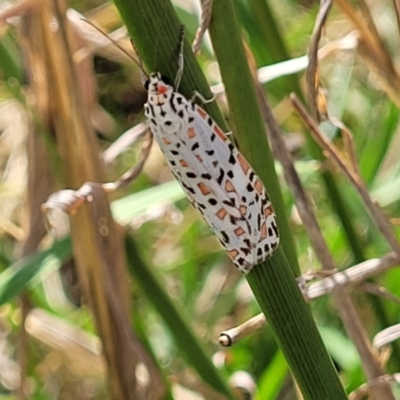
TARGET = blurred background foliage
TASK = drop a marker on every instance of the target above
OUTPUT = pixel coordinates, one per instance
(61, 351)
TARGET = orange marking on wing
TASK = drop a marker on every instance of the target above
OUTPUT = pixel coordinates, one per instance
(233, 254)
(221, 214)
(264, 233)
(243, 163)
(268, 211)
(191, 133)
(218, 131)
(203, 188)
(229, 187)
(243, 209)
(198, 156)
(201, 112)
(183, 163)
(239, 231)
(165, 140)
(259, 186)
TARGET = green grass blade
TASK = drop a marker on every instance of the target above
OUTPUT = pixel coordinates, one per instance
(131, 206)
(180, 328)
(32, 269)
(294, 329)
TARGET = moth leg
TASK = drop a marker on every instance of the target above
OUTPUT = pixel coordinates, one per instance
(198, 95)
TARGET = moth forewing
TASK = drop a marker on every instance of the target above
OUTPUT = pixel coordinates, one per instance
(215, 176)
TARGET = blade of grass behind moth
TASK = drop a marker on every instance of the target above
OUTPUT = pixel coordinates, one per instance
(272, 43)
(272, 282)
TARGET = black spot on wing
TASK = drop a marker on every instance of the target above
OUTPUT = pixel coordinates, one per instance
(221, 176)
(172, 103)
(149, 109)
(195, 146)
(245, 250)
(230, 202)
(240, 261)
(189, 189)
(225, 237)
(232, 219)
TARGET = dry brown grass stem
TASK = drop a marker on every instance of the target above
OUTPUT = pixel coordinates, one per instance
(367, 388)
(353, 277)
(373, 49)
(312, 69)
(351, 171)
(204, 23)
(396, 4)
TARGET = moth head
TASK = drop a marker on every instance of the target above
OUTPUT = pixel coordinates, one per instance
(157, 84)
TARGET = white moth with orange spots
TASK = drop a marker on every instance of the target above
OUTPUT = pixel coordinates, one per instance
(214, 175)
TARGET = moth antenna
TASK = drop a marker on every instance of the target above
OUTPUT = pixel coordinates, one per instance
(138, 63)
(143, 75)
(178, 76)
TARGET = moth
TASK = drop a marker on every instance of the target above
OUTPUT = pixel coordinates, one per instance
(215, 176)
